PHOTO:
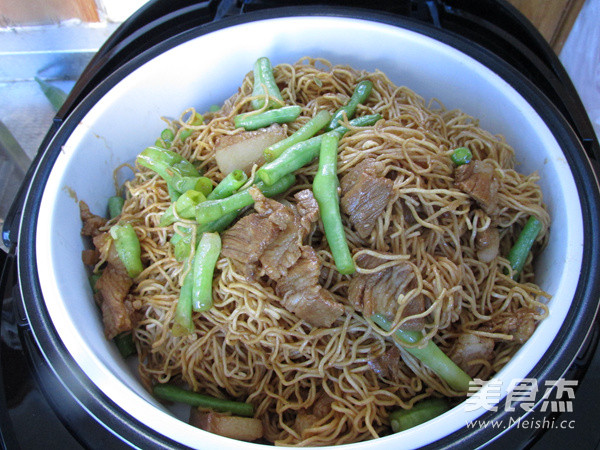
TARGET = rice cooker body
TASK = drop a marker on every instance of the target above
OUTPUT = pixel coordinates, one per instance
(53, 359)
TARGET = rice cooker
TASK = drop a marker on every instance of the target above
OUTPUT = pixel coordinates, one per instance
(63, 383)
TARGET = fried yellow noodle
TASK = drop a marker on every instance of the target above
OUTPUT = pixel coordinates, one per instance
(248, 347)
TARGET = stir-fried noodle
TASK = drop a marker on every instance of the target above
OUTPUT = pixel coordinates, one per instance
(248, 347)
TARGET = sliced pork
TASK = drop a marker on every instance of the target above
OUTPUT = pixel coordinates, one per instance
(378, 292)
(478, 180)
(302, 294)
(365, 195)
(387, 365)
(520, 324)
(270, 242)
(113, 287)
(91, 222)
(469, 349)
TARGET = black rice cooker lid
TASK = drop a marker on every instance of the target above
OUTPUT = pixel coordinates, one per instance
(41, 334)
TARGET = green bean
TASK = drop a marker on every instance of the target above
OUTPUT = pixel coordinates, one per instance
(167, 136)
(174, 194)
(264, 84)
(185, 207)
(179, 173)
(228, 185)
(176, 394)
(300, 154)
(308, 130)
(362, 121)
(183, 323)
(212, 210)
(115, 206)
(421, 412)
(461, 156)
(254, 120)
(159, 160)
(184, 184)
(125, 344)
(430, 355)
(204, 263)
(360, 95)
(325, 187)
(518, 253)
(128, 248)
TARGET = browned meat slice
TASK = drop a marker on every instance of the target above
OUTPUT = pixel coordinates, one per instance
(90, 257)
(308, 417)
(478, 180)
(308, 209)
(520, 324)
(246, 241)
(91, 222)
(387, 365)
(302, 294)
(487, 244)
(113, 286)
(284, 251)
(378, 292)
(365, 196)
(470, 348)
(269, 240)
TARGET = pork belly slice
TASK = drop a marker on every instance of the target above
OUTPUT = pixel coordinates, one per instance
(468, 349)
(302, 294)
(478, 180)
(365, 195)
(91, 222)
(113, 287)
(387, 365)
(378, 292)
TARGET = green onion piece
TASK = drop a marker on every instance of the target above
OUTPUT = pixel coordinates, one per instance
(460, 156)
(430, 355)
(421, 412)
